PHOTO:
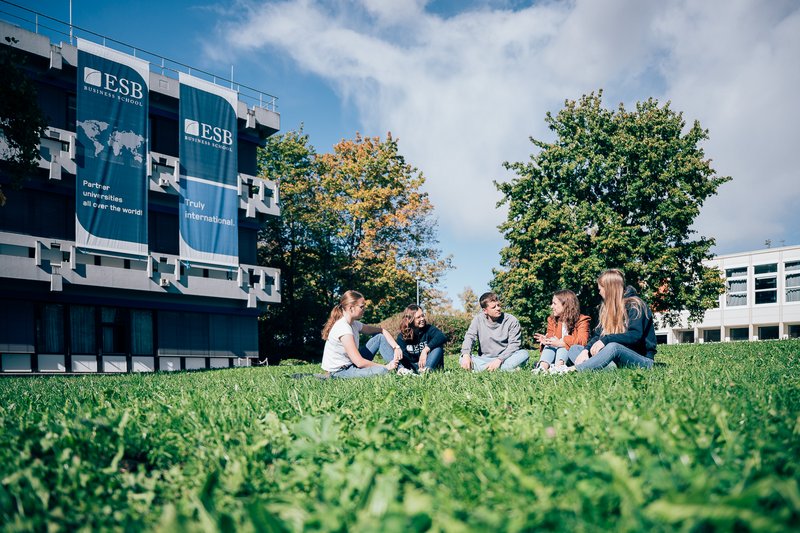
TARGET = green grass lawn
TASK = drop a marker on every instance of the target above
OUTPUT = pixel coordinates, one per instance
(710, 441)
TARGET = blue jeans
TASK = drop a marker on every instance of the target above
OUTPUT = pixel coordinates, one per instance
(618, 354)
(435, 361)
(355, 372)
(550, 355)
(368, 351)
(377, 343)
(518, 358)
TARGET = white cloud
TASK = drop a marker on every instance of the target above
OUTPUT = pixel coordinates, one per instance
(463, 93)
(735, 70)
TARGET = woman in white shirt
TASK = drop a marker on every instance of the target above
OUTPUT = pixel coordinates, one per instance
(342, 357)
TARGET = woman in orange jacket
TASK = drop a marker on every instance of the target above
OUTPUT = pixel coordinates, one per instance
(567, 331)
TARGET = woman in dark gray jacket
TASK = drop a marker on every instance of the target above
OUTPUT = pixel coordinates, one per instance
(421, 343)
(626, 334)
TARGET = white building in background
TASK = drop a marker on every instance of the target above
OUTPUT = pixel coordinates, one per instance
(761, 300)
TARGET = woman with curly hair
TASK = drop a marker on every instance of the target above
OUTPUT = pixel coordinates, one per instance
(421, 343)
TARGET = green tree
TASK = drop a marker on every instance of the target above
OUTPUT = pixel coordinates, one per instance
(614, 189)
(293, 243)
(355, 218)
(21, 120)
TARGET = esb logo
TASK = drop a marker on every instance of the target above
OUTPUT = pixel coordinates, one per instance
(207, 131)
(112, 83)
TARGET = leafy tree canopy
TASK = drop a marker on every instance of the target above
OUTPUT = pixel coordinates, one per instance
(21, 120)
(355, 218)
(614, 189)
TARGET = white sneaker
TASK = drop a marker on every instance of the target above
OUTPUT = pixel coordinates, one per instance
(539, 369)
(559, 369)
(403, 371)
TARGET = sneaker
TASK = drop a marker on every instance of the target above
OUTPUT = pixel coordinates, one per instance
(539, 369)
(559, 369)
(403, 371)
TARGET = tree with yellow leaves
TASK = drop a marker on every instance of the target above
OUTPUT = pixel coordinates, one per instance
(355, 218)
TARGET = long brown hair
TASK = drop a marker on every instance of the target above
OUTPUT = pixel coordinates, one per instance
(407, 329)
(348, 299)
(613, 313)
(572, 308)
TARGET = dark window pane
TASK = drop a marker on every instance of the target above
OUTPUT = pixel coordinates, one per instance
(163, 233)
(115, 330)
(82, 329)
(766, 333)
(766, 297)
(50, 329)
(142, 332)
(736, 272)
(740, 334)
(766, 283)
(766, 269)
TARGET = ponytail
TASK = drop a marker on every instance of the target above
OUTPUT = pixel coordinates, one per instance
(348, 298)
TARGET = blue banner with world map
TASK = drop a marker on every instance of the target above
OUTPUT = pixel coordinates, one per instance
(111, 181)
(209, 182)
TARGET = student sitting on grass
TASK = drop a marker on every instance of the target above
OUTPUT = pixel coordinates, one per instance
(567, 331)
(499, 339)
(342, 358)
(420, 342)
(625, 335)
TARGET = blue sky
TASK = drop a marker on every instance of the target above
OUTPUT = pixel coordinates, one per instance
(463, 84)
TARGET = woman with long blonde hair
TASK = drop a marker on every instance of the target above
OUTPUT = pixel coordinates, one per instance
(626, 334)
(342, 357)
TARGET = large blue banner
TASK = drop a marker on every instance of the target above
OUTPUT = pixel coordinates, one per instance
(111, 182)
(209, 186)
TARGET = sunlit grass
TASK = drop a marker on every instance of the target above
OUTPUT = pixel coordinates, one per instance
(710, 440)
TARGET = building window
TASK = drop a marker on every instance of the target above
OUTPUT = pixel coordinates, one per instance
(711, 335)
(685, 337)
(739, 334)
(736, 286)
(141, 332)
(794, 331)
(50, 329)
(114, 330)
(72, 106)
(766, 283)
(768, 333)
(792, 270)
(82, 329)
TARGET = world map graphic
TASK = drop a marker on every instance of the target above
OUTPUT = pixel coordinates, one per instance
(98, 132)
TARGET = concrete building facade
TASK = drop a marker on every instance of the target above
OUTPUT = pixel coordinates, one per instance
(65, 308)
(761, 300)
